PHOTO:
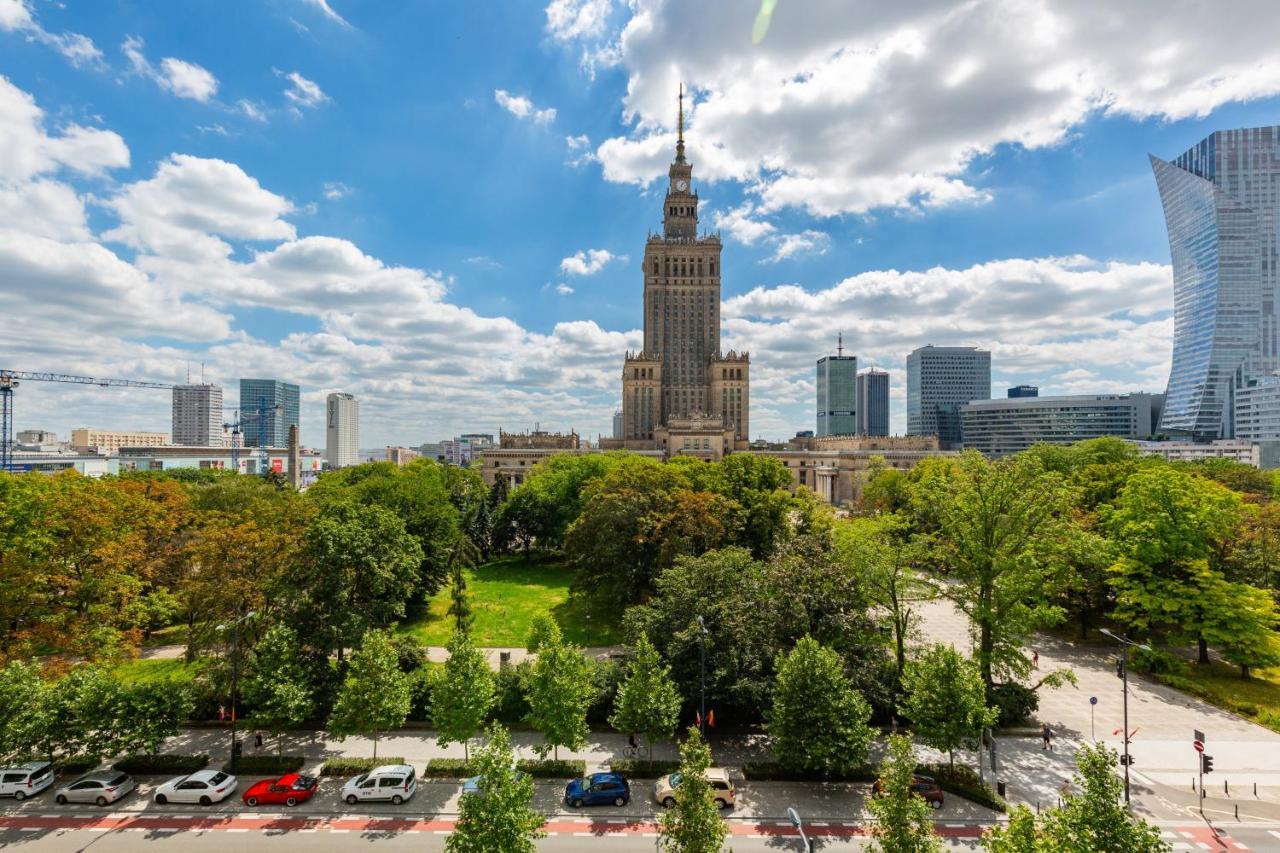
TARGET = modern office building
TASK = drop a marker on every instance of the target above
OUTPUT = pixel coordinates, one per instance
(1018, 391)
(111, 440)
(1001, 427)
(837, 399)
(461, 449)
(619, 425)
(342, 430)
(872, 404)
(197, 415)
(278, 404)
(1220, 207)
(1258, 410)
(939, 381)
(1259, 454)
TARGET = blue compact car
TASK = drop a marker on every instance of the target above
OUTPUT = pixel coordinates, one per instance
(598, 789)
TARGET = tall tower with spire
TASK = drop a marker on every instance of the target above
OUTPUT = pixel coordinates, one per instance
(681, 374)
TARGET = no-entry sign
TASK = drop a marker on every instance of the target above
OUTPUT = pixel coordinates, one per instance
(1198, 744)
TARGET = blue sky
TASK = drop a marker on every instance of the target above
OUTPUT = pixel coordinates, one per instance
(440, 207)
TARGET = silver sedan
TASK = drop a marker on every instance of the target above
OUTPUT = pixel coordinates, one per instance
(102, 787)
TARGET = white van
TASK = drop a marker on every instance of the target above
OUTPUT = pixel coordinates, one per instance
(25, 780)
(394, 782)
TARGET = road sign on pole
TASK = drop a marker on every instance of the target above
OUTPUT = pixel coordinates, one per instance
(1199, 745)
(1199, 735)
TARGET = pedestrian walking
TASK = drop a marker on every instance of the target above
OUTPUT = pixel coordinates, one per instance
(222, 713)
(257, 741)
(1035, 659)
(1047, 735)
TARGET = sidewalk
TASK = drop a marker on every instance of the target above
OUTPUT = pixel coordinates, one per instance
(435, 654)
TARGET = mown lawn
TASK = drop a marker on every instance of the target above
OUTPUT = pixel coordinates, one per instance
(1257, 698)
(147, 671)
(506, 594)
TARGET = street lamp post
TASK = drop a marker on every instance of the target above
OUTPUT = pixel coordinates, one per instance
(235, 682)
(702, 675)
(799, 825)
(1125, 643)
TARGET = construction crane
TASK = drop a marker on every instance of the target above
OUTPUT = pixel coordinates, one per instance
(9, 380)
(240, 418)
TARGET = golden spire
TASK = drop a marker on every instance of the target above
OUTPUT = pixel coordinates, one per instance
(680, 129)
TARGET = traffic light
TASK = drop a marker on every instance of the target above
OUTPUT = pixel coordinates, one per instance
(1206, 763)
(1127, 759)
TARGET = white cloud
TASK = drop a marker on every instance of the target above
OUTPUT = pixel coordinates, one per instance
(325, 9)
(181, 78)
(804, 243)
(847, 108)
(741, 226)
(580, 150)
(588, 261)
(334, 190)
(303, 92)
(79, 50)
(563, 289)
(574, 19)
(252, 110)
(521, 107)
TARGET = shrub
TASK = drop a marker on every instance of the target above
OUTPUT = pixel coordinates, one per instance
(354, 766)
(1156, 662)
(76, 766)
(411, 653)
(1015, 702)
(512, 707)
(963, 781)
(448, 768)
(420, 682)
(1270, 719)
(549, 768)
(606, 677)
(771, 771)
(162, 763)
(267, 764)
(642, 768)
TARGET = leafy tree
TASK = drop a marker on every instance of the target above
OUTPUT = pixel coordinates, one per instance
(647, 702)
(903, 820)
(24, 708)
(1248, 556)
(818, 721)
(946, 700)
(559, 690)
(540, 510)
(480, 529)
(375, 695)
(999, 529)
(459, 606)
(357, 569)
(463, 695)
(1094, 818)
(148, 713)
(760, 485)
(277, 684)
(499, 818)
(693, 824)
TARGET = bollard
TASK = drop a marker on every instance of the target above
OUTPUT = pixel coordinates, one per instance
(1037, 807)
(1255, 789)
(1193, 783)
(1224, 788)
(1237, 811)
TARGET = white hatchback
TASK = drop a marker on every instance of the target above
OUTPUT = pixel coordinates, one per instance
(204, 787)
(394, 782)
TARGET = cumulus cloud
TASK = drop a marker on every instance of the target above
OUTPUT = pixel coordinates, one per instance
(181, 78)
(521, 107)
(848, 108)
(806, 242)
(574, 19)
(588, 261)
(16, 16)
(303, 92)
(252, 110)
(563, 289)
(334, 190)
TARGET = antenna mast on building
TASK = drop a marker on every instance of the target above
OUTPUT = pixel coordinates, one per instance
(839, 344)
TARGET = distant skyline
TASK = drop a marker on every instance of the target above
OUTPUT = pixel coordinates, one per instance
(441, 209)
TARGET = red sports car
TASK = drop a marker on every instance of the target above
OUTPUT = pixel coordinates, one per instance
(289, 790)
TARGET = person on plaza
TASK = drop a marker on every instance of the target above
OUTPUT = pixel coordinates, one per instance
(632, 742)
(1035, 659)
(1047, 735)
(222, 713)
(257, 741)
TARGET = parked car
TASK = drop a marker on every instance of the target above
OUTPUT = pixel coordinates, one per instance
(472, 785)
(289, 790)
(598, 789)
(718, 777)
(205, 787)
(102, 787)
(921, 786)
(25, 780)
(394, 782)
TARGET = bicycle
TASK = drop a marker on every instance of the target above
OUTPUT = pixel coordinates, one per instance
(631, 751)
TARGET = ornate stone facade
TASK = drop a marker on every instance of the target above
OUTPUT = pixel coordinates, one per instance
(681, 374)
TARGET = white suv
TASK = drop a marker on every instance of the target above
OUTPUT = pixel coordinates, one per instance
(25, 780)
(394, 782)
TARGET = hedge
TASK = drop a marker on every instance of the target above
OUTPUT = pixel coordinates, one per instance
(276, 764)
(644, 769)
(353, 766)
(75, 766)
(549, 768)
(449, 768)
(964, 782)
(161, 763)
(771, 771)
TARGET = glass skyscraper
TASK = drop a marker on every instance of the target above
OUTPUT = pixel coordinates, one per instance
(873, 402)
(837, 395)
(1220, 206)
(939, 381)
(278, 402)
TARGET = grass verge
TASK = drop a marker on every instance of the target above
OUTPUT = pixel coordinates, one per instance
(1256, 698)
(149, 671)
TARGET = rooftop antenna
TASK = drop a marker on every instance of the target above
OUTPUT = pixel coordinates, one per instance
(202, 373)
(188, 373)
(839, 344)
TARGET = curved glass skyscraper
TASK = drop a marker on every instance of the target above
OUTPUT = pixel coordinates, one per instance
(1220, 204)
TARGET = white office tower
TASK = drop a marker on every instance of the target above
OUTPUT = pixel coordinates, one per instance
(342, 431)
(197, 415)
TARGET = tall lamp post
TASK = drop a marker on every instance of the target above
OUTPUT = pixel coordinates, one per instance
(702, 674)
(235, 682)
(1125, 643)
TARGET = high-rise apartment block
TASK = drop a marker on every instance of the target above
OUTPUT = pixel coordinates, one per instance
(111, 440)
(939, 381)
(197, 415)
(1222, 211)
(342, 430)
(268, 407)
(837, 397)
(680, 389)
(872, 405)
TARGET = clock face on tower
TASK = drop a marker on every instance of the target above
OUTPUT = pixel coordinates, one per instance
(682, 185)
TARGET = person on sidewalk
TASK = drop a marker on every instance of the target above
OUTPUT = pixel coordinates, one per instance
(257, 741)
(1046, 734)
(1035, 659)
